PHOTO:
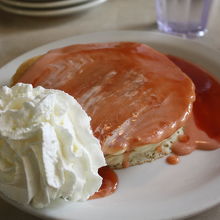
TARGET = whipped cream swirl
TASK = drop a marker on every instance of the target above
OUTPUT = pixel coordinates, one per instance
(47, 149)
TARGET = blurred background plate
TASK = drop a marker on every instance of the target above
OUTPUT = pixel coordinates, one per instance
(42, 4)
(52, 11)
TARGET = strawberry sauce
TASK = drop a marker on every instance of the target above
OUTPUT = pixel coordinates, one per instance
(202, 130)
(109, 183)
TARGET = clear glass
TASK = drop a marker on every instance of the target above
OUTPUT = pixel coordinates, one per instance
(183, 17)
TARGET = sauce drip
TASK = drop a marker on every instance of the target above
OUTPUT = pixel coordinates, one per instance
(202, 129)
(173, 159)
(109, 182)
(126, 159)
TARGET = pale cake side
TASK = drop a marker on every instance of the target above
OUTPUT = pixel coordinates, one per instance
(143, 154)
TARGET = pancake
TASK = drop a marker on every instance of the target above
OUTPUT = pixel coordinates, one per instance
(137, 98)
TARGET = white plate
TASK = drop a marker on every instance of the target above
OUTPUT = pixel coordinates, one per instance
(149, 191)
(43, 5)
(50, 12)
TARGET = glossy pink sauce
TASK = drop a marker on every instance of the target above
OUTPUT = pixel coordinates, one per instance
(202, 129)
(133, 94)
(173, 159)
(109, 183)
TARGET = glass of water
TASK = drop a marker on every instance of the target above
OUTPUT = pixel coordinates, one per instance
(187, 18)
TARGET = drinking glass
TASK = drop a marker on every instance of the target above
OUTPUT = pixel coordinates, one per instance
(183, 17)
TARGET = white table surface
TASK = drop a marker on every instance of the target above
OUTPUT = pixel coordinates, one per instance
(19, 34)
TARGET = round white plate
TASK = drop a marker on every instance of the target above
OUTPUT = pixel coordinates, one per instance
(150, 191)
(51, 12)
(43, 5)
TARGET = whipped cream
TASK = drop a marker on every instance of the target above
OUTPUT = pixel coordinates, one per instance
(47, 149)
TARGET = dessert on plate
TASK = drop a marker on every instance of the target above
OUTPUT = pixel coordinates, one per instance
(138, 100)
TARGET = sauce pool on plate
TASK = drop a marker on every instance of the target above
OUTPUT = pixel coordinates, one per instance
(109, 183)
(202, 130)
